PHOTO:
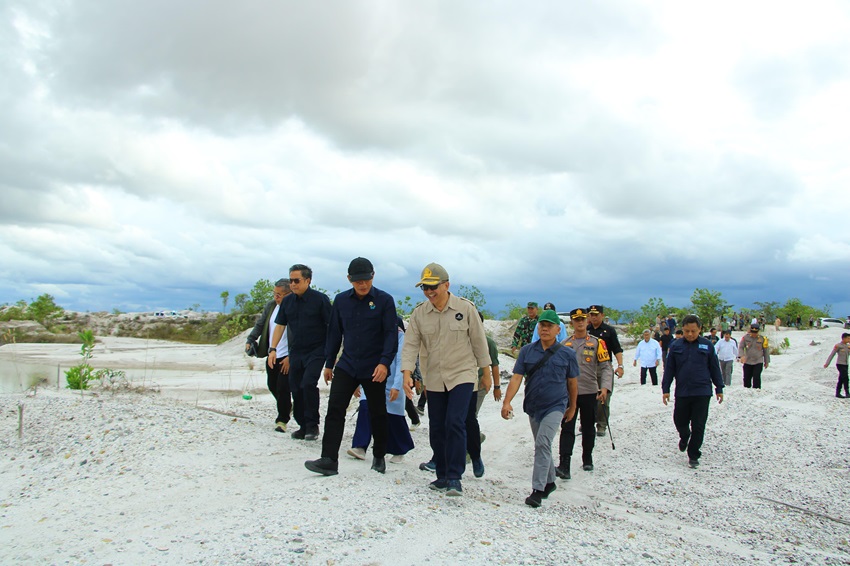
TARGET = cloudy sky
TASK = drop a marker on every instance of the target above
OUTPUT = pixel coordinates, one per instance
(154, 154)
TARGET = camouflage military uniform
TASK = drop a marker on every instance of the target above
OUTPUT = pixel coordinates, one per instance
(524, 331)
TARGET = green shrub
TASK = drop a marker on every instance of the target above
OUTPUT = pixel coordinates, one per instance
(78, 377)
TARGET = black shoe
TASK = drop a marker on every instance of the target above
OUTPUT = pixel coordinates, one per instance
(299, 434)
(600, 432)
(840, 396)
(693, 462)
(312, 434)
(550, 487)
(535, 499)
(587, 467)
(439, 485)
(379, 464)
(683, 444)
(324, 466)
(563, 472)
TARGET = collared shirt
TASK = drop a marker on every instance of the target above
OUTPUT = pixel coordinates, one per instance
(694, 366)
(307, 318)
(607, 333)
(594, 362)
(754, 350)
(451, 344)
(727, 351)
(546, 391)
(841, 349)
(283, 345)
(562, 334)
(369, 329)
(648, 352)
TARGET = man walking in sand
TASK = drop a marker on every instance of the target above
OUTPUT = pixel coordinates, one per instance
(308, 313)
(600, 329)
(594, 383)
(277, 374)
(550, 371)
(727, 351)
(842, 349)
(363, 318)
(692, 362)
(648, 353)
(448, 336)
(754, 354)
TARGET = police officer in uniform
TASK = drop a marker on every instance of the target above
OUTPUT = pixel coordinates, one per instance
(606, 332)
(595, 381)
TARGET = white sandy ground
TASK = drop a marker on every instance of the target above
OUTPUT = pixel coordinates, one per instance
(134, 478)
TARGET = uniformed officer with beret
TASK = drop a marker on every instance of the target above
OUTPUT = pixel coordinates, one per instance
(596, 378)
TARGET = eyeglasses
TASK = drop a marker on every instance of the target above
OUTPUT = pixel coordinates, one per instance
(295, 281)
(430, 287)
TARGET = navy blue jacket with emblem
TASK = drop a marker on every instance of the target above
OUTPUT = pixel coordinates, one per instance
(367, 330)
(694, 366)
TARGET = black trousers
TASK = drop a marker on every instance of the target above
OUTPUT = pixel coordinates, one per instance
(842, 379)
(473, 429)
(343, 387)
(278, 384)
(304, 375)
(653, 373)
(752, 375)
(410, 408)
(587, 412)
(689, 416)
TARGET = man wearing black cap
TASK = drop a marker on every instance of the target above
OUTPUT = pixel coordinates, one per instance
(595, 381)
(599, 328)
(754, 355)
(308, 313)
(364, 318)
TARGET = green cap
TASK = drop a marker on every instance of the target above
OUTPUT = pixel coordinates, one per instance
(549, 316)
(532, 304)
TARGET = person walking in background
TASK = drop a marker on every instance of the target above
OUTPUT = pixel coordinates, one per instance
(841, 350)
(277, 374)
(754, 354)
(727, 351)
(595, 381)
(363, 317)
(648, 352)
(666, 338)
(307, 312)
(525, 328)
(550, 371)
(600, 329)
(692, 363)
(562, 333)
(712, 336)
(399, 442)
(448, 336)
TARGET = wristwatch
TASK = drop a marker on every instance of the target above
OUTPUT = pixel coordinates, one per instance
(497, 387)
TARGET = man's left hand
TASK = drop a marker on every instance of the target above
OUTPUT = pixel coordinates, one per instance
(619, 371)
(602, 395)
(393, 394)
(380, 373)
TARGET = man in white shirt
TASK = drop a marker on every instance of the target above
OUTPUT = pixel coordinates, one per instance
(649, 353)
(727, 351)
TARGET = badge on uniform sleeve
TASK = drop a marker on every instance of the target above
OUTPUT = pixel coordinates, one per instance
(459, 316)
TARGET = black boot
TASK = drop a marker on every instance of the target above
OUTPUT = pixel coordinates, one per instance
(563, 469)
(838, 391)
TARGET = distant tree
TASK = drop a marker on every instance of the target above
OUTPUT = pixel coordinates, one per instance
(225, 295)
(260, 294)
(404, 306)
(240, 301)
(708, 305)
(645, 316)
(43, 308)
(513, 311)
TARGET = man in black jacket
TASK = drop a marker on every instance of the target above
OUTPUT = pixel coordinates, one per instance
(277, 376)
(692, 362)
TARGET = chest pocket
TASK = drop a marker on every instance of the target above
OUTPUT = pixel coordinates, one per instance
(458, 330)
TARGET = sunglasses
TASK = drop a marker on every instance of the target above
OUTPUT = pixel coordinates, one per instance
(430, 287)
(295, 281)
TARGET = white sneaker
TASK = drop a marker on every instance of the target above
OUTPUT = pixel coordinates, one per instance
(414, 426)
(359, 453)
(397, 459)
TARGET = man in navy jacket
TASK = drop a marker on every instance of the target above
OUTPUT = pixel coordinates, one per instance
(692, 362)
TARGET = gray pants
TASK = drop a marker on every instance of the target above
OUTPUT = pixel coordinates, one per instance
(726, 371)
(544, 433)
(482, 394)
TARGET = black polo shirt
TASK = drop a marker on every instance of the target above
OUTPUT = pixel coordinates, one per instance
(306, 318)
(607, 333)
(369, 328)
